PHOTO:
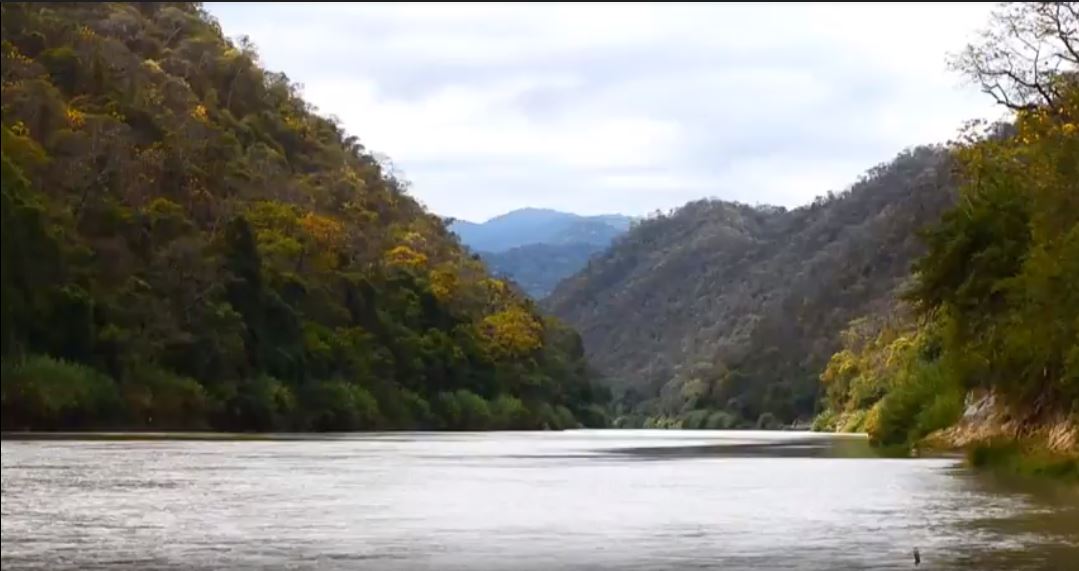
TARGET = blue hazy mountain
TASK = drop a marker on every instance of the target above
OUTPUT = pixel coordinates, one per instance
(539, 226)
(536, 247)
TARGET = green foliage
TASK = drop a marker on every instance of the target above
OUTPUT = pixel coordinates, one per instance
(264, 403)
(177, 217)
(826, 421)
(450, 411)
(852, 421)
(594, 416)
(750, 301)
(47, 393)
(157, 398)
(509, 413)
(696, 420)
(338, 406)
(923, 399)
(721, 420)
(475, 414)
(564, 418)
(1001, 267)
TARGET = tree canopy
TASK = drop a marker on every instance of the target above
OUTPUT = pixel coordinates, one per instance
(187, 243)
(994, 300)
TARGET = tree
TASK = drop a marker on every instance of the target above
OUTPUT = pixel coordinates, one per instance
(178, 219)
(1028, 56)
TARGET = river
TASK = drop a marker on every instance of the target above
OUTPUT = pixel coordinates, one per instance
(557, 500)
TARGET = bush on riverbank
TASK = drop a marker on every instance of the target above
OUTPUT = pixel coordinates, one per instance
(48, 393)
(924, 399)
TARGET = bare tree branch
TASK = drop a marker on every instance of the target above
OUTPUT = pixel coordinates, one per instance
(1029, 50)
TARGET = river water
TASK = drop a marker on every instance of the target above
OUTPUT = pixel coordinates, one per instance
(566, 500)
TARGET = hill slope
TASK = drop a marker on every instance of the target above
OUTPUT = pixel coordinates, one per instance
(729, 306)
(538, 268)
(187, 244)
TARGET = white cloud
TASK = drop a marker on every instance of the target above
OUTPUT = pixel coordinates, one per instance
(599, 108)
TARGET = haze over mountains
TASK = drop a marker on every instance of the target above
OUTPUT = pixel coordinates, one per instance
(536, 247)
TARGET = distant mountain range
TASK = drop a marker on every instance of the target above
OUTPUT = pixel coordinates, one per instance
(536, 247)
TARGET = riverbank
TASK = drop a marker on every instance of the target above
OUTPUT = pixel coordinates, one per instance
(993, 439)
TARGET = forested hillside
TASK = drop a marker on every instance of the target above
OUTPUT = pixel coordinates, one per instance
(730, 307)
(994, 304)
(947, 274)
(186, 243)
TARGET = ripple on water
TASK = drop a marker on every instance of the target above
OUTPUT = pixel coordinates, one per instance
(576, 500)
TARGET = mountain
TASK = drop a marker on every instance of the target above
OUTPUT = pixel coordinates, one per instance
(727, 306)
(187, 244)
(536, 247)
(539, 226)
(537, 268)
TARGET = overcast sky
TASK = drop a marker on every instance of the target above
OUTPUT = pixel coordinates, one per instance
(624, 108)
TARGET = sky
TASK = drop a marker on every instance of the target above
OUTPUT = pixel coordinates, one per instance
(594, 108)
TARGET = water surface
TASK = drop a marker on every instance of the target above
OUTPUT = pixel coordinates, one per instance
(569, 500)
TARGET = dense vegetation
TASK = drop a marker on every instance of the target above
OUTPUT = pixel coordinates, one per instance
(995, 300)
(537, 248)
(721, 307)
(187, 244)
(721, 314)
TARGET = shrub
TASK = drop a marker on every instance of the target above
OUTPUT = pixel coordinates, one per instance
(475, 414)
(721, 420)
(943, 411)
(544, 417)
(419, 410)
(825, 421)
(42, 392)
(594, 416)
(337, 405)
(923, 399)
(396, 404)
(509, 413)
(449, 410)
(159, 398)
(264, 403)
(565, 418)
(853, 421)
(695, 420)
